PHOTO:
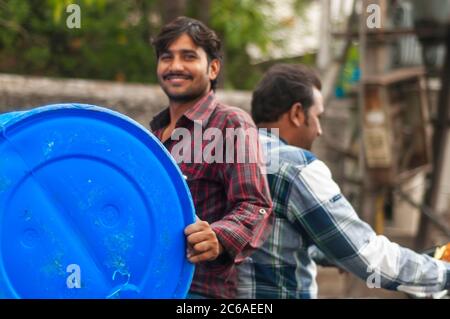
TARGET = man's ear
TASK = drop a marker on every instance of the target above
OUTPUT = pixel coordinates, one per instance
(214, 69)
(296, 114)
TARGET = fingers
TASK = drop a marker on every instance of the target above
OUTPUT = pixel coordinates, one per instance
(198, 226)
(201, 236)
(206, 256)
(202, 241)
(205, 246)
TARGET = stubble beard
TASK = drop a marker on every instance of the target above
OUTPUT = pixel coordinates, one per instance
(184, 97)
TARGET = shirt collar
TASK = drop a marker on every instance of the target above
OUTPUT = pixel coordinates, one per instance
(267, 132)
(201, 111)
(162, 119)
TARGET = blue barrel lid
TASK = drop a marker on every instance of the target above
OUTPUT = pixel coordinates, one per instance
(91, 206)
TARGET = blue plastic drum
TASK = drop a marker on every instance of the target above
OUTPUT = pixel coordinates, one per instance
(91, 206)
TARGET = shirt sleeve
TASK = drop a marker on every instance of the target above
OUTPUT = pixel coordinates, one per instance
(248, 219)
(318, 208)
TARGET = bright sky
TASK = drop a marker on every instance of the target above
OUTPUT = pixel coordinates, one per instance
(302, 32)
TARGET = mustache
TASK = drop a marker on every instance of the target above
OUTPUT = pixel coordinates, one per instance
(176, 74)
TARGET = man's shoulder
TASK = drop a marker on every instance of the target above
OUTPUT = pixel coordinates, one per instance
(292, 155)
(306, 156)
(232, 115)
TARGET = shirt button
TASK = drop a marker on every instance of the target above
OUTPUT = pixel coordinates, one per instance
(185, 177)
(262, 211)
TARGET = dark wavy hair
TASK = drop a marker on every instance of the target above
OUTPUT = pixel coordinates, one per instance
(200, 34)
(281, 87)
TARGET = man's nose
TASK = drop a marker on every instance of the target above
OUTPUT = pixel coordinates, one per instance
(319, 131)
(176, 64)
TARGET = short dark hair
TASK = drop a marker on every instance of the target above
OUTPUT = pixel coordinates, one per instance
(200, 34)
(281, 87)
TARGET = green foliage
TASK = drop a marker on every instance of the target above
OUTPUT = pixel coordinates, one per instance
(113, 42)
(240, 23)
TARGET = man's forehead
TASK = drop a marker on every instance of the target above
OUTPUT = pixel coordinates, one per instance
(180, 50)
(183, 43)
(318, 100)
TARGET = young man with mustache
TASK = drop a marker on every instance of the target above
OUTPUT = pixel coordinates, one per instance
(232, 199)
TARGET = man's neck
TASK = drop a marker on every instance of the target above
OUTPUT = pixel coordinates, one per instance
(274, 127)
(177, 109)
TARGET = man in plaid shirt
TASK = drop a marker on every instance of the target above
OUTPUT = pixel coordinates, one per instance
(230, 192)
(310, 210)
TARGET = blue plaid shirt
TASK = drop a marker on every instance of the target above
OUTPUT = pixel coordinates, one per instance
(311, 211)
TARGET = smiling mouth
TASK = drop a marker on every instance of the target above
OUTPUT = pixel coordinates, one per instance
(171, 77)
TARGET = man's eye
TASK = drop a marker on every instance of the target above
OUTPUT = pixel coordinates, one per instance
(190, 57)
(164, 57)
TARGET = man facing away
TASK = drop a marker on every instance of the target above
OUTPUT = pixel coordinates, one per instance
(231, 198)
(310, 210)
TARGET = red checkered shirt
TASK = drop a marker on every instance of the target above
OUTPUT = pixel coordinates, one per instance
(233, 197)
